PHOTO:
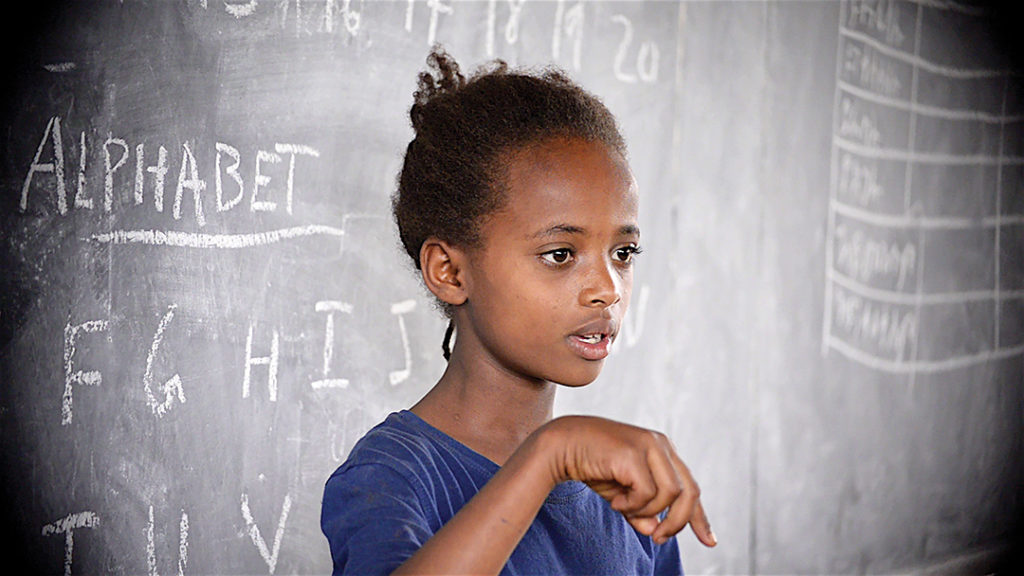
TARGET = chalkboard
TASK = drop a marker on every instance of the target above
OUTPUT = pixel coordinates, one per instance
(204, 304)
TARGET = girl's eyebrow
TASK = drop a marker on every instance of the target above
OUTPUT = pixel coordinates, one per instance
(557, 229)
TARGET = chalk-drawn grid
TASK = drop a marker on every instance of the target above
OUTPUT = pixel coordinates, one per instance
(914, 273)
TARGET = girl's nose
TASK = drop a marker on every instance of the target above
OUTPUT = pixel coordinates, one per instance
(603, 286)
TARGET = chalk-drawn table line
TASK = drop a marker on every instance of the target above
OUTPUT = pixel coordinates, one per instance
(866, 311)
(968, 114)
(919, 222)
(922, 63)
(919, 366)
(952, 6)
(914, 156)
(924, 298)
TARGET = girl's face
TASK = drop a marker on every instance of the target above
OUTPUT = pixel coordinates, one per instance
(548, 288)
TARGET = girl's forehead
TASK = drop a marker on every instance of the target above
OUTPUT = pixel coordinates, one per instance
(558, 152)
(564, 180)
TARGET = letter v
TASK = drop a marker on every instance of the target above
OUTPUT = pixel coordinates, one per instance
(269, 556)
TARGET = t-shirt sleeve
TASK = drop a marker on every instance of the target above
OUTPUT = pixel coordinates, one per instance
(667, 561)
(373, 520)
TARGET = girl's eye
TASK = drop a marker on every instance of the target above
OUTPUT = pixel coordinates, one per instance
(626, 253)
(559, 256)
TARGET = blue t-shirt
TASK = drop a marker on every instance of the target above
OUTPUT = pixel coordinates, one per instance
(405, 479)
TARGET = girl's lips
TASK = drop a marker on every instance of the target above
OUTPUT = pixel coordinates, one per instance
(590, 350)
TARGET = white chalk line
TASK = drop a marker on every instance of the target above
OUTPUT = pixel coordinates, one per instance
(914, 299)
(922, 63)
(60, 67)
(919, 366)
(201, 240)
(269, 554)
(925, 109)
(833, 177)
(904, 155)
(953, 6)
(925, 222)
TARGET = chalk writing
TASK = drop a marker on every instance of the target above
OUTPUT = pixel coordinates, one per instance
(172, 388)
(72, 376)
(81, 201)
(262, 180)
(269, 554)
(330, 307)
(340, 433)
(437, 7)
(876, 295)
(240, 9)
(633, 324)
(515, 8)
(67, 527)
(182, 545)
(188, 178)
(270, 361)
(646, 59)
(857, 125)
(117, 153)
(870, 70)
(863, 257)
(109, 169)
(568, 23)
(159, 172)
(883, 325)
(231, 170)
(399, 309)
(56, 166)
(350, 17)
(858, 179)
(882, 16)
(492, 18)
(60, 67)
(292, 150)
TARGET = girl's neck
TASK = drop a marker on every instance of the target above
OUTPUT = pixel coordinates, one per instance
(484, 407)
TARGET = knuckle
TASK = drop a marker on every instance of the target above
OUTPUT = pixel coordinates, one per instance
(695, 490)
(645, 492)
(658, 437)
(675, 491)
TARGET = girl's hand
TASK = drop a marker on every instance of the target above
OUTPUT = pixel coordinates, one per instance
(636, 470)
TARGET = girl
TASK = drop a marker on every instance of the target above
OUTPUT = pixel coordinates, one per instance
(517, 205)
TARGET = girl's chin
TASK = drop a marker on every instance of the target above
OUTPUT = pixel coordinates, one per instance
(578, 380)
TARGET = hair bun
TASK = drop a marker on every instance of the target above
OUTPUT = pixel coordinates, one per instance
(443, 76)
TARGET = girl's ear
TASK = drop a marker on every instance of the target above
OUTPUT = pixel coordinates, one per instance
(442, 266)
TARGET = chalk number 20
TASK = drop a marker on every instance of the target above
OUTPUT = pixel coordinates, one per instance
(646, 58)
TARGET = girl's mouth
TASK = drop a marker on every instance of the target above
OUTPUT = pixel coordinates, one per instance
(591, 346)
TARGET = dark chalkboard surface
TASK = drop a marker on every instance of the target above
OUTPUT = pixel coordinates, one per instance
(204, 304)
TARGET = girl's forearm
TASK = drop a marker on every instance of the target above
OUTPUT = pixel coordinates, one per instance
(480, 538)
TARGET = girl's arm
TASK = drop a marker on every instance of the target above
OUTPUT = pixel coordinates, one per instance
(636, 470)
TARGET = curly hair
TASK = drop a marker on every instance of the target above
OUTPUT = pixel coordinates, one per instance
(456, 167)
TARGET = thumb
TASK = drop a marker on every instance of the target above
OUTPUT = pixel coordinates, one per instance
(643, 524)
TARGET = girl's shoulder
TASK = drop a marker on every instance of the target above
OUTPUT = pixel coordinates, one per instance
(396, 442)
(410, 447)
(406, 464)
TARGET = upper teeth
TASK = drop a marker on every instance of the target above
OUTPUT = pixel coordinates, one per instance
(591, 338)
